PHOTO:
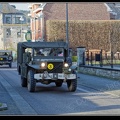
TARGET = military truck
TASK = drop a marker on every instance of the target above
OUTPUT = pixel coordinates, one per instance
(6, 57)
(45, 62)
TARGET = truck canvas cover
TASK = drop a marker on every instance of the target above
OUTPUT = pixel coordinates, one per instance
(43, 44)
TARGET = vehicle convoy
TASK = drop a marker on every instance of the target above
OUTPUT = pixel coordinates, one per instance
(45, 62)
(6, 57)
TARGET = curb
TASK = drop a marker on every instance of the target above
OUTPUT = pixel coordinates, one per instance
(3, 106)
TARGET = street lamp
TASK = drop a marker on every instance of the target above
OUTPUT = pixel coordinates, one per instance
(28, 36)
(21, 19)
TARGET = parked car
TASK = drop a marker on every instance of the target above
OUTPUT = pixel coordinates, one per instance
(6, 57)
(45, 62)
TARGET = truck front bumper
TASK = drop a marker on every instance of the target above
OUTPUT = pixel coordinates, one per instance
(55, 76)
(4, 62)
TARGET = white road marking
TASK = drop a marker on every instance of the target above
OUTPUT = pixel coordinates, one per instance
(98, 92)
(82, 90)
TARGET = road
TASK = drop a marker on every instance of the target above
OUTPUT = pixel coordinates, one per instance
(94, 96)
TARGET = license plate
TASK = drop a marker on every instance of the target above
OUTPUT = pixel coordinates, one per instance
(1, 58)
(55, 75)
(60, 75)
(69, 75)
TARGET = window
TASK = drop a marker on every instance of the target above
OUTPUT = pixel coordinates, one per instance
(18, 20)
(8, 32)
(8, 20)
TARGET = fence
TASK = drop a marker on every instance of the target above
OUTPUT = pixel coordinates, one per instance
(101, 58)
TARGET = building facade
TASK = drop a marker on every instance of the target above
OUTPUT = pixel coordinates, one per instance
(41, 12)
(13, 25)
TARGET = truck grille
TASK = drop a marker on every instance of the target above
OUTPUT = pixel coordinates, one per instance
(57, 67)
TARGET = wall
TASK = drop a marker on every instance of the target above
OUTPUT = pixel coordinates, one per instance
(100, 71)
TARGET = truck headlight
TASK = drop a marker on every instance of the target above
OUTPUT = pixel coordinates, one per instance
(42, 64)
(66, 65)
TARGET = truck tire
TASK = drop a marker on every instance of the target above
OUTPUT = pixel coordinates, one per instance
(31, 82)
(72, 85)
(58, 83)
(23, 82)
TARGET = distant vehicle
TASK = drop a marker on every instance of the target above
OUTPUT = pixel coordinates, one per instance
(45, 62)
(6, 57)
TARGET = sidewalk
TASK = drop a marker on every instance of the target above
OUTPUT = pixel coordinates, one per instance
(7, 104)
(3, 106)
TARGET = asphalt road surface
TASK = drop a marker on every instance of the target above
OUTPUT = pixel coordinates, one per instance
(94, 96)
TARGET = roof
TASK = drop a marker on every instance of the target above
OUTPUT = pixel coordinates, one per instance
(115, 9)
(7, 8)
(43, 44)
(76, 11)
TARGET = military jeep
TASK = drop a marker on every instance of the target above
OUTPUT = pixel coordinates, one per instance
(6, 57)
(45, 62)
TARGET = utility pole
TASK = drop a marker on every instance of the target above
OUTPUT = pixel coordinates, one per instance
(67, 37)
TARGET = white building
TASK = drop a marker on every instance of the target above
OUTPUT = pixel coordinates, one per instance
(13, 26)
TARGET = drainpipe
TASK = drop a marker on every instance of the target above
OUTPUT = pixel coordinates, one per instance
(42, 25)
(34, 29)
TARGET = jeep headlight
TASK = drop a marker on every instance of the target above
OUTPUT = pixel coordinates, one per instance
(66, 65)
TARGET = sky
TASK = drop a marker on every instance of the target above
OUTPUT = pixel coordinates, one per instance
(20, 5)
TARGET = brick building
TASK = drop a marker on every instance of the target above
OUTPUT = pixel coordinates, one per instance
(40, 12)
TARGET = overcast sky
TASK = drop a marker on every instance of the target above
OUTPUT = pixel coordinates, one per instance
(20, 5)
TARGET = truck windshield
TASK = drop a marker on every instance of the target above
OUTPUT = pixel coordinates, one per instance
(4, 53)
(49, 52)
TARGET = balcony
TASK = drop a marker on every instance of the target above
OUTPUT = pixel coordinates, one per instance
(40, 8)
(30, 6)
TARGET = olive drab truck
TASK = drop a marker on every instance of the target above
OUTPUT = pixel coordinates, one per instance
(6, 57)
(45, 62)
